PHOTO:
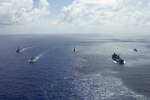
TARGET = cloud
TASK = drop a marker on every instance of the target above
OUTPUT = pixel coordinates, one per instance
(22, 11)
(107, 13)
(81, 16)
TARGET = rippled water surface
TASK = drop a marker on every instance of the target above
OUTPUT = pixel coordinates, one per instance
(87, 74)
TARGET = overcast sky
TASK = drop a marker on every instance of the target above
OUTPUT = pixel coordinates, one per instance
(74, 16)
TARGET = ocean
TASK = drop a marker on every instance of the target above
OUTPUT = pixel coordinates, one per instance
(87, 74)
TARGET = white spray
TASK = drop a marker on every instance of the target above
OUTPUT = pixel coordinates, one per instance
(29, 48)
(40, 55)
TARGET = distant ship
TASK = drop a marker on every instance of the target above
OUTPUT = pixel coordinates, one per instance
(74, 49)
(117, 59)
(135, 50)
(18, 50)
(33, 60)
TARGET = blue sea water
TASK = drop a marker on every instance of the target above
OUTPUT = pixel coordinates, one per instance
(87, 74)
